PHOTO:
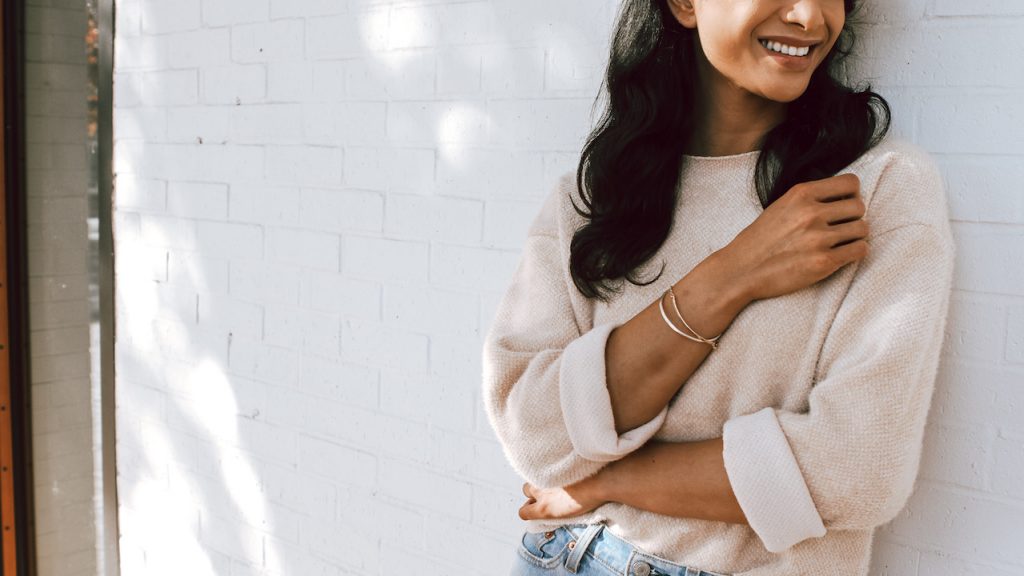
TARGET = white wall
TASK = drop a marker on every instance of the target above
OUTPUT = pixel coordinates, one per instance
(319, 204)
(56, 181)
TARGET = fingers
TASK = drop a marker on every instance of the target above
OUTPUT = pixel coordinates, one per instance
(834, 188)
(530, 510)
(526, 511)
(851, 252)
(846, 232)
(839, 211)
(527, 490)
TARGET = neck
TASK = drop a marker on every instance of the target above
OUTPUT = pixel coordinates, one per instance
(731, 120)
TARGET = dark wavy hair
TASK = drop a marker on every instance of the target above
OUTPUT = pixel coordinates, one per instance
(638, 143)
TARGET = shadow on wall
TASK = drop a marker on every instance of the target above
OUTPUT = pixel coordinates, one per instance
(318, 208)
(277, 412)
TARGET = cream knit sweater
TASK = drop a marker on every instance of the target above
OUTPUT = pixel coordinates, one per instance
(821, 395)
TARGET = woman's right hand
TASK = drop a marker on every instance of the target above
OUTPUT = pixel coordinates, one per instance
(814, 229)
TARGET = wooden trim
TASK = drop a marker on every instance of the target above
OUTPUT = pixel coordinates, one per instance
(7, 517)
(17, 546)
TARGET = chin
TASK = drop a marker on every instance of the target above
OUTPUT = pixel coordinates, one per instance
(785, 95)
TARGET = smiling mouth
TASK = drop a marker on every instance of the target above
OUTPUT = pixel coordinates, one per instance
(785, 49)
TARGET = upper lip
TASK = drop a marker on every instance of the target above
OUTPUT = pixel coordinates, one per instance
(790, 41)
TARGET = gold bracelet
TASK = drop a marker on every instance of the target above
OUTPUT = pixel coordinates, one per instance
(711, 341)
(661, 306)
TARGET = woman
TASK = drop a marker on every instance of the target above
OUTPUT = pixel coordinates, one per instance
(753, 400)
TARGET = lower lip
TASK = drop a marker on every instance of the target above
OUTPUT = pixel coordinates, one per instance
(794, 63)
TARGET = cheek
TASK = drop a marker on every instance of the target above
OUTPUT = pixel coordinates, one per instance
(730, 55)
(835, 20)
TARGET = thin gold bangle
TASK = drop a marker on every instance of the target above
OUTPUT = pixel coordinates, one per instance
(690, 328)
(661, 306)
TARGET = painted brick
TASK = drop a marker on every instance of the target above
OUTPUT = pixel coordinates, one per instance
(305, 248)
(258, 281)
(233, 84)
(333, 292)
(348, 384)
(996, 121)
(384, 259)
(304, 165)
(197, 200)
(322, 458)
(976, 8)
(459, 72)
(456, 266)
(320, 205)
(977, 187)
(1015, 335)
(197, 272)
(228, 12)
(1008, 474)
(959, 455)
(303, 330)
(304, 8)
(277, 40)
(975, 327)
(200, 48)
(289, 81)
(983, 264)
(357, 33)
(370, 168)
(425, 488)
(964, 523)
(352, 123)
(257, 203)
(426, 218)
(160, 16)
(381, 345)
(262, 362)
(197, 125)
(445, 122)
(341, 210)
(518, 72)
(399, 75)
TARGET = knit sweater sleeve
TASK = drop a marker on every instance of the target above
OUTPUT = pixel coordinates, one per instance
(544, 387)
(850, 460)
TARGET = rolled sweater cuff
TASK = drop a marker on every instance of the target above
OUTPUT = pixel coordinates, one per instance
(767, 481)
(587, 406)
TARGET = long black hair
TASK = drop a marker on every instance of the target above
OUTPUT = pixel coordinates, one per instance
(638, 144)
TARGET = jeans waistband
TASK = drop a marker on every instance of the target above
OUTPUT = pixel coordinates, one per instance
(593, 543)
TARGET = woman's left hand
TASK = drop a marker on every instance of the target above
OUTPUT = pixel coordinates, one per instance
(571, 500)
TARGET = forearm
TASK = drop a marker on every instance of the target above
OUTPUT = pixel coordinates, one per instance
(681, 479)
(647, 362)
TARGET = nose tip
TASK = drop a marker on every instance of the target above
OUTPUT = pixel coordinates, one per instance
(806, 13)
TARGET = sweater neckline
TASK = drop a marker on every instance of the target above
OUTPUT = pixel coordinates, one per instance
(753, 154)
(731, 166)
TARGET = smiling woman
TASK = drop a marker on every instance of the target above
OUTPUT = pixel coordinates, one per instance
(773, 417)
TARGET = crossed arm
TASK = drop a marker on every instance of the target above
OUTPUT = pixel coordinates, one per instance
(649, 479)
(857, 444)
(846, 462)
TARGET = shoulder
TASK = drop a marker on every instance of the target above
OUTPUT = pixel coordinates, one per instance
(901, 184)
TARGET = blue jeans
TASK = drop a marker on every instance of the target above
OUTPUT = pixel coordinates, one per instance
(590, 550)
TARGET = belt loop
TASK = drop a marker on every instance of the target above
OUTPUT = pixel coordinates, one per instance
(572, 562)
(690, 571)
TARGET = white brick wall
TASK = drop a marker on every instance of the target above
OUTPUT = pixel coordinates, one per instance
(319, 204)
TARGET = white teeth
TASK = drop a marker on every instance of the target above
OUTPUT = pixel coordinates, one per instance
(786, 49)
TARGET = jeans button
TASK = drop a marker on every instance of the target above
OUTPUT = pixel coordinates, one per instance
(549, 534)
(641, 568)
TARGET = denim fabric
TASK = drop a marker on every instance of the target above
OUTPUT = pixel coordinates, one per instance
(599, 553)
